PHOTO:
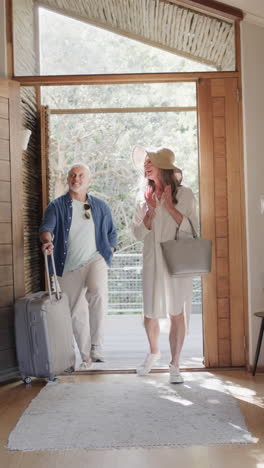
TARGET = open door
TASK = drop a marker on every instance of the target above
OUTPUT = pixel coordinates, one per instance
(11, 222)
(221, 177)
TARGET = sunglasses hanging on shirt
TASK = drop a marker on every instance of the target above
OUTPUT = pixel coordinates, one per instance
(87, 208)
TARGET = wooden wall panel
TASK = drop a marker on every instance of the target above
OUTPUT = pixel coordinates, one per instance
(5, 212)
(7, 339)
(5, 233)
(4, 150)
(5, 191)
(4, 129)
(235, 210)
(224, 349)
(221, 206)
(219, 127)
(219, 147)
(222, 287)
(16, 189)
(221, 247)
(217, 87)
(6, 254)
(207, 210)
(224, 329)
(223, 307)
(8, 357)
(218, 108)
(11, 227)
(6, 275)
(4, 109)
(6, 296)
(6, 317)
(221, 227)
(5, 174)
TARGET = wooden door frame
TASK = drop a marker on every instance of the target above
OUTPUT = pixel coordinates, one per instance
(216, 339)
(224, 344)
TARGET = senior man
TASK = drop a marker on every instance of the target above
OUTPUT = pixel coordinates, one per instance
(80, 229)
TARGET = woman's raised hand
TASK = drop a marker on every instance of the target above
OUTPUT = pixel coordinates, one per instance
(150, 198)
(151, 204)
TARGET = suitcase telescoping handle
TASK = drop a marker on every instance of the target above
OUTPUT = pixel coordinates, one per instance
(57, 288)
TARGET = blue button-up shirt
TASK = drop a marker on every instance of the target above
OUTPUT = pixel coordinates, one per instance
(57, 220)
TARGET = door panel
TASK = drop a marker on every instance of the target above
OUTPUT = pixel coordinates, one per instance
(221, 220)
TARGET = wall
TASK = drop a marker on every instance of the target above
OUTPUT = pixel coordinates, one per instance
(253, 116)
(2, 40)
(24, 38)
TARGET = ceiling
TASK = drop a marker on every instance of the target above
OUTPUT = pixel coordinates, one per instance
(253, 9)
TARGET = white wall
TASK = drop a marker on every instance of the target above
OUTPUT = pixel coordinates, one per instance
(253, 115)
(3, 66)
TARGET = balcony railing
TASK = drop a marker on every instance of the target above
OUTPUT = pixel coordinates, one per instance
(125, 285)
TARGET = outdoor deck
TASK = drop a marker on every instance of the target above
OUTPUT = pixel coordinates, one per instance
(126, 343)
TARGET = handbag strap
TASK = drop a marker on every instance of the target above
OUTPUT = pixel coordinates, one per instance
(194, 233)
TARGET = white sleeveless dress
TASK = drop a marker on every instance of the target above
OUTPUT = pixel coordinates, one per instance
(164, 295)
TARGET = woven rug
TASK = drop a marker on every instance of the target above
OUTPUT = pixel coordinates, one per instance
(131, 412)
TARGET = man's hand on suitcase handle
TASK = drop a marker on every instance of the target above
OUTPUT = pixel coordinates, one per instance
(47, 244)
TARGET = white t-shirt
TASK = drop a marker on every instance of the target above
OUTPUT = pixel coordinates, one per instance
(81, 240)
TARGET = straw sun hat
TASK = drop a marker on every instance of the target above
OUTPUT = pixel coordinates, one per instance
(163, 158)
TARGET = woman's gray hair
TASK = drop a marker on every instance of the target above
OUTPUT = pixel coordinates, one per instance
(80, 164)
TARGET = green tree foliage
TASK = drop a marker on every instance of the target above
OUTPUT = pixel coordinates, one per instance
(105, 143)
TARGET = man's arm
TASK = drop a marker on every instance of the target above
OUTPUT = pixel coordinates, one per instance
(47, 228)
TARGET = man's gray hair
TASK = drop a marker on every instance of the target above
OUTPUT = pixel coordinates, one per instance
(80, 164)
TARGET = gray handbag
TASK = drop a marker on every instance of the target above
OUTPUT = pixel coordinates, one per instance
(188, 256)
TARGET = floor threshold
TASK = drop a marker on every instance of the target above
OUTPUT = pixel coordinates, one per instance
(158, 370)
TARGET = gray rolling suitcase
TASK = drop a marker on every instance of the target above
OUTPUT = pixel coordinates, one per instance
(43, 329)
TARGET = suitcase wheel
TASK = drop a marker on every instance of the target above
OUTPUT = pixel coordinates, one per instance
(52, 379)
(27, 380)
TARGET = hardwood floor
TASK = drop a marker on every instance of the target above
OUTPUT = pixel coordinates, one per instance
(249, 391)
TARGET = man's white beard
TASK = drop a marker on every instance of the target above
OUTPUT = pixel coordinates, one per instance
(77, 189)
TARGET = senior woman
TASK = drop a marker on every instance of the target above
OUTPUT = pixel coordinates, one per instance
(166, 205)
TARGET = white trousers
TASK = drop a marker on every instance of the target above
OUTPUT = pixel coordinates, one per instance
(87, 291)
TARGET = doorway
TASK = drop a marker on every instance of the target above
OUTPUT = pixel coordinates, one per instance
(220, 162)
(103, 136)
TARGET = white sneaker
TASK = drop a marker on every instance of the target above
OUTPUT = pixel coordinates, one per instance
(175, 375)
(85, 366)
(96, 354)
(149, 362)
